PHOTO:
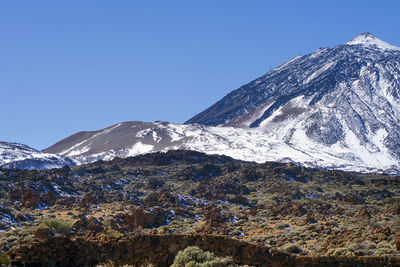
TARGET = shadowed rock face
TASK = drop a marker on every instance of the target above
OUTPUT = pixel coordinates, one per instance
(325, 129)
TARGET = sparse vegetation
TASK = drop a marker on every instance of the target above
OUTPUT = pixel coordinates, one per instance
(195, 257)
(283, 206)
(4, 260)
(292, 248)
(56, 227)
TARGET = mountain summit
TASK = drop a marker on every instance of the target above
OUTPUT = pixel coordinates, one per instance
(345, 96)
(338, 108)
(314, 77)
(369, 39)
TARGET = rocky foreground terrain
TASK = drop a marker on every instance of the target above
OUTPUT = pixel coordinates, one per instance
(143, 210)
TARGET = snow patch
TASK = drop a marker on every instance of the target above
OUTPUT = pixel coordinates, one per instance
(368, 39)
(318, 72)
(139, 148)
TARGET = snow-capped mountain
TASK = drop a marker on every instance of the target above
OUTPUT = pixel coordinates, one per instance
(361, 65)
(19, 156)
(338, 108)
(336, 98)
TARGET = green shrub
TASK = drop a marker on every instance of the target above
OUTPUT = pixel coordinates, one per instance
(282, 225)
(340, 252)
(4, 259)
(383, 244)
(113, 233)
(161, 230)
(391, 200)
(56, 226)
(384, 251)
(110, 263)
(291, 248)
(355, 246)
(369, 244)
(195, 257)
(11, 238)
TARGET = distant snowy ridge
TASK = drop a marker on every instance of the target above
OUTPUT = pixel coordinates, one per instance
(19, 156)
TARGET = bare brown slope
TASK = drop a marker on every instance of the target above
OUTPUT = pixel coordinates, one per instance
(66, 143)
(79, 137)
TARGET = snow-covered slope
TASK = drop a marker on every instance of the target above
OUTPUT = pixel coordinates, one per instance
(252, 144)
(367, 39)
(332, 100)
(13, 155)
(338, 107)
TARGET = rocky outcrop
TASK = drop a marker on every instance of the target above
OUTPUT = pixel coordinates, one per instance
(161, 250)
(90, 224)
(30, 199)
(140, 218)
(213, 220)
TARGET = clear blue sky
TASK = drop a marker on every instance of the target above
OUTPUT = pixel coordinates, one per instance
(68, 66)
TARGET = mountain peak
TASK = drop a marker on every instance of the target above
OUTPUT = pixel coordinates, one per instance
(368, 39)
